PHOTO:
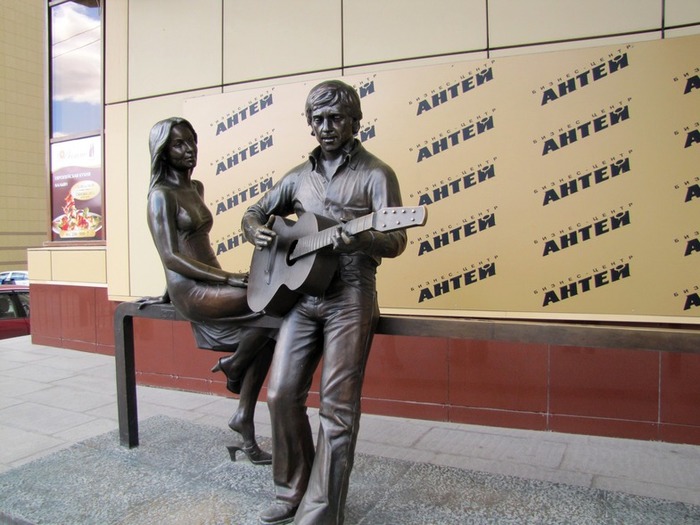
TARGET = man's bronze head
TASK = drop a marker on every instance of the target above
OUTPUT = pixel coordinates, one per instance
(332, 92)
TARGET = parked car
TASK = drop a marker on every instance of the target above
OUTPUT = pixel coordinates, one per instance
(15, 277)
(14, 311)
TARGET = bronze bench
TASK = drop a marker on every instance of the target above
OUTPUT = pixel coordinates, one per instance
(669, 338)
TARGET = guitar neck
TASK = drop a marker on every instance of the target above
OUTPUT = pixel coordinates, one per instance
(317, 241)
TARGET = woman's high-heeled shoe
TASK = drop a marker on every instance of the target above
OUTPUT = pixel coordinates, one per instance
(254, 453)
(233, 384)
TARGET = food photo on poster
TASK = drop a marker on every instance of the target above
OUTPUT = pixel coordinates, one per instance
(76, 190)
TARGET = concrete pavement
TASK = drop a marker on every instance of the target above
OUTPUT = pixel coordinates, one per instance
(52, 398)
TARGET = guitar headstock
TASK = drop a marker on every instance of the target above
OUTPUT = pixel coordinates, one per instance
(389, 219)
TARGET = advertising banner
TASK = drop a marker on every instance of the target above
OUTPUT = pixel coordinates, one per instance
(559, 186)
(76, 190)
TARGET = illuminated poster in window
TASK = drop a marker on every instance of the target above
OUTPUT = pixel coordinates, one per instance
(76, 190)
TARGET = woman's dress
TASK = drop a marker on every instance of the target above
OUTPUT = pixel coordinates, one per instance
(208, 305)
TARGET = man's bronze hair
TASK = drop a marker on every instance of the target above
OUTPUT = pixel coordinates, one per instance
(332, 92)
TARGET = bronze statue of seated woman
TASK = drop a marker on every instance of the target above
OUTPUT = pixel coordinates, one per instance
(212, 299)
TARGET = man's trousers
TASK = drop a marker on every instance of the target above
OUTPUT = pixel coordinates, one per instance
(337, 327)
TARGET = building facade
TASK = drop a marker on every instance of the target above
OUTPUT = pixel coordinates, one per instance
(22, 131)
(159, 54)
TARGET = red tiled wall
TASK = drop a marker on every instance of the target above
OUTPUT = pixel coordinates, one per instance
(166, 355)
(76, 317)
(626, 393)
(499, 384)
(680, 398)
(621, 390)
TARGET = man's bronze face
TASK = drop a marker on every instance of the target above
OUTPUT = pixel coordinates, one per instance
(332, 127)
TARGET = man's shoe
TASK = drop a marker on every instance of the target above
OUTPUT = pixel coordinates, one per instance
(278, 514)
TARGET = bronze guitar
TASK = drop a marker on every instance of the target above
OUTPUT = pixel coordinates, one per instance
(296, 262)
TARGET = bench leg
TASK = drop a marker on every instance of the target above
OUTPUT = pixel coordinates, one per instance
(126, 380)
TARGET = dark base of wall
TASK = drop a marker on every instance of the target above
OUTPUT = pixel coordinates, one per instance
(626, 393)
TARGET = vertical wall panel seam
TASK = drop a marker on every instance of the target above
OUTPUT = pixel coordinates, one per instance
(342, 38)
(488, 30)
(549, 388)
(103, 141)
(128, 154)
(48, 123)
(448, 384)
(663, 19)
(223, 37)
(658, 399)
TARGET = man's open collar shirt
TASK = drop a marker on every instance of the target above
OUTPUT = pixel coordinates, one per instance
(361, 185)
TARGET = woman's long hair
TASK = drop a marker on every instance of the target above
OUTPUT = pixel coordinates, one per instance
(158, 141)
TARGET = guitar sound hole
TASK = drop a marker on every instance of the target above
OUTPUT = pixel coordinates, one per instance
(288, 259)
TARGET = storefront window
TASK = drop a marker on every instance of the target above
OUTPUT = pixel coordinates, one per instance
(76, 120)
(76, 68)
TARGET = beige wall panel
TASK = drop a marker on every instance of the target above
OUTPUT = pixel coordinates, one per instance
(419, 62)
(279, 82)
(686, 31)
(85, 266)
(528, 21)
(116, 50)
(145, 268)
(116, 201)
(268, 38)
(173, 46)
(579, 44)
(682, 12)
(39, 264)
(398, 29)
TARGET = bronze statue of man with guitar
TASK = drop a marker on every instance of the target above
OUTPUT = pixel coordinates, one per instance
(319, 273)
